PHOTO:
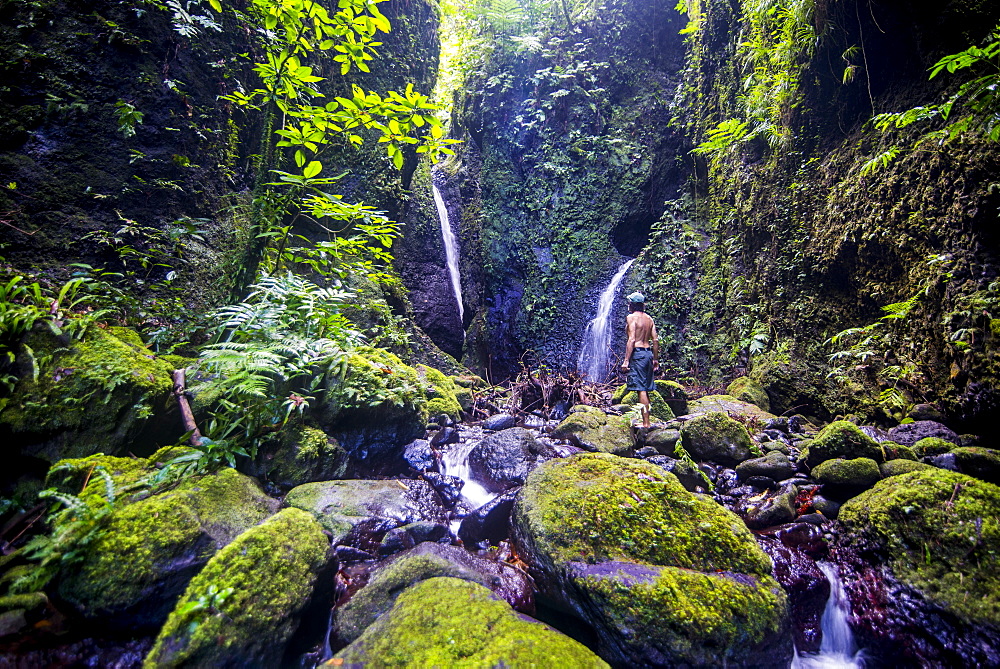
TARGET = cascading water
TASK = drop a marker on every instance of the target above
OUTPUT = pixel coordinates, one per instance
(450, 249)
(837, 650)
(594, 355)
(455, 462)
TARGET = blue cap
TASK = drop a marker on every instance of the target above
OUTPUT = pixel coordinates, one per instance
(636, 298)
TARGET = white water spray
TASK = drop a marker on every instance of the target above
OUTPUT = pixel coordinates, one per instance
(450, 250)
(593, 360)
(837, 650)
(455, 462)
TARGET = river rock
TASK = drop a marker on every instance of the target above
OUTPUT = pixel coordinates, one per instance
(746, 389)
(764, 510)
(447, 486)
(419, 455)
(503, 459)
(302, 454)
(775, 465)
(930, 446)
(730, 406)
(593, 430)
(857, 473)
(930, 412)
(490, 522)
(408, 536)
(716, 437)
(135, 569)
(901, 466)
(244, 606)
(983, 463)
(841, 439)
(428, 560)
(359, 513)
(452, 622)
(937, 534)
(500, 421)
(909, 434)
(664, 577)
(663, 438)
(686, 472)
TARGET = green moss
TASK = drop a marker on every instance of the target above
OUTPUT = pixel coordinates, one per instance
(464, 397)
(304, 454)
(901, 466)
(658, 407)
(983, 463)
(268, 574)
(940, 533)
(441, 393)
(593, 428)
(447, 622)
(748, 390)
(93, 396)
(854, 472)
(932, 446)
(376, 382)
(894, 451)
(32, 600)
(599, 507)
(842, 439)
(717, 437)
(708, 619)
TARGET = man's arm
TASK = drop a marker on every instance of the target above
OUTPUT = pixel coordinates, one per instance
(654, 342)
(630, 333)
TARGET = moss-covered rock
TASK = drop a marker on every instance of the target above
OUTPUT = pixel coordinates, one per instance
(939, 532)
(341, 505)
(244, 606)
(658, 567)
(854, 473)
(659, 408)
(302, 455)
(983, 463)
(894, 451)
(594, 430)
(441, 393)
(748, 390)
(717, 437)
(774, 465)
(929, 446)
(83, 397)
(730, 406)
(448, 622)
(141, 561)
(842, 439)
(901, 466)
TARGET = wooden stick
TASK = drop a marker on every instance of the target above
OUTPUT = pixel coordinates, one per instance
(187, 416)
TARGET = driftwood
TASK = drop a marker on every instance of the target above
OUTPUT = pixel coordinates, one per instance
(187, 416)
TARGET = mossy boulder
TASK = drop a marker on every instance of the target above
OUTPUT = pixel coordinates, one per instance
(658, 406)
(302, 454)
(244, 606)
(854, 473)
(774, 465)
(929, 446)
(449, 622)
(901, 466)
(939, 532)
(138, 565)
(748, 390)
(841, 439)
(374, 408)
(893, 451)
(428, 560)
(77, 398)
(983, 463)
(729, 405)
(718, 438)
(441, 393)
(664, 576)
(340, 506)
(592, 429)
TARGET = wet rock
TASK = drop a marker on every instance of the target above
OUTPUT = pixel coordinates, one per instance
(664, 439)
(503, 459)
(761, 482)
(646, 452)
(560, 410)
(408, 536)
(929, 446)
(447, 486)
(826, 506)
(446, 435)
(799, 425)
(775, 465)
(763, 510)
(374, 507)
(687, 473)
(255, 587)
(746, 389)
(857, 473)
(419, 455)
(983, 463)
(500, 421)
(614, 541)
(303, 454)
(716, 437)
(841, 439)
(777, 447)
(778, 424)
(901, 466)
(592, 429)
(489, 523)
(944, 461)
(926, 412)
(429, 618)
(910, 433)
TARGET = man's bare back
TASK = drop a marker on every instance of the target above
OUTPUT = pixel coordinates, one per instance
(640, 329)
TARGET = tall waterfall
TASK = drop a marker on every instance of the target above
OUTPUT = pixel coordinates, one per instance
(450, 250)
(594, 355)
(837, 650)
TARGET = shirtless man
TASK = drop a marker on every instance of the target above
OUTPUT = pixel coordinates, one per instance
(642, 352)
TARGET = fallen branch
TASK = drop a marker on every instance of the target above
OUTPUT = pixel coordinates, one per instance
(187, 416)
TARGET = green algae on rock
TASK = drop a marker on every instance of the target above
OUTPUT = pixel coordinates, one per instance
(748, 390)
(932, 446)
(716, 437)
(243, 607)
(595, 430)
(659, 409)
(577, 519)
(842, 439)
(901, 466)
(96, 395)
(939, 531)
(447, 622)
(441, 393)
(150, 549)
(854, 473)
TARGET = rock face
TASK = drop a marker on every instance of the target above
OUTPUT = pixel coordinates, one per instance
(428, 560)
(716, 437)
(938, 535)
(593, 430)
(504, 459)
(138, 566)
(452, 622)
(244, 606)
(663, 576)
(359, 512)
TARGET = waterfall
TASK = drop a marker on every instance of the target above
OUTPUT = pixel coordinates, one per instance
(455, 462)
(594, 355)
(837, 650)
(450, 250)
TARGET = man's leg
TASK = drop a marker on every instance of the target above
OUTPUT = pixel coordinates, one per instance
(644, 400)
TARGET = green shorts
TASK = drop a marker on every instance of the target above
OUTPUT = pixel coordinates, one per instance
(640, 371)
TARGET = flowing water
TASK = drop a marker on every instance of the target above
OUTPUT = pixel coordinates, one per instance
(450, 249)
(837, 650)
(594, 355)
(455, 462)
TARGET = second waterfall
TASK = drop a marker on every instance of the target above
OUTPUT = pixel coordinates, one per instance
(450, 249)
(596, 351)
